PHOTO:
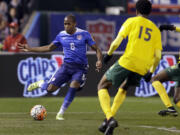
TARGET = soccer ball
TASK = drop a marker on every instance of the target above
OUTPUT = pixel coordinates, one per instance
(38, 112)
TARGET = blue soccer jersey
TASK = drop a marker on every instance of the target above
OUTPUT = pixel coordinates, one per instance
(74, 46)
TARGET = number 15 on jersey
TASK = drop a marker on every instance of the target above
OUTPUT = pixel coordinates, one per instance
(147, 36)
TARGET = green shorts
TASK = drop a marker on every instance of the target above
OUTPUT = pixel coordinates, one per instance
(173, 73)
(117, 75)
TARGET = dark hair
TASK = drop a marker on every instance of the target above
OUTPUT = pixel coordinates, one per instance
(72, 17)
(144, 7)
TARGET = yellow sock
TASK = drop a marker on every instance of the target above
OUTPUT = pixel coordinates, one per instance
(162, 93)
(118, 100)
(178, 104)
(105, 100)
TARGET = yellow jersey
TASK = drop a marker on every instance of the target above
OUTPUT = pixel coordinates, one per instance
(144, 38)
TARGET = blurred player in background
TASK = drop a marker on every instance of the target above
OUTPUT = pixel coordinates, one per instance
(170, 74)
(140, 59)
(12, 40)
(75, 66)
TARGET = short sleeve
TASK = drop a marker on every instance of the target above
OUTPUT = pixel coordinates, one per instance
(125, 28)
(89, 39)
(56, 41)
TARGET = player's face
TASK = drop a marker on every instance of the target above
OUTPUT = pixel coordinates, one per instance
(69, 25)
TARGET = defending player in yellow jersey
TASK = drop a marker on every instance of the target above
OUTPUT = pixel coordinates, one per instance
(140, 59)
(169, 74)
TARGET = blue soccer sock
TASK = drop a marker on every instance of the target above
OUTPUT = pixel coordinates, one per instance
(67, 100)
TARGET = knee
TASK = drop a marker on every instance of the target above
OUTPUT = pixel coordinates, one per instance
(124, 86)
(100, 86)
(104, 85)
(75, 84)
(153, 79)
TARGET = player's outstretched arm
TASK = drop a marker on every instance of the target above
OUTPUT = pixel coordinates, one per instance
(167, 27)
(27, 48)
(114, 45)
(99, 57)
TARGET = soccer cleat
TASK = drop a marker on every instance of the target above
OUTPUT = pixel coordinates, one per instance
(112, 124)
(103, 126)
(59, 117)
(35, 85)
(171, 111)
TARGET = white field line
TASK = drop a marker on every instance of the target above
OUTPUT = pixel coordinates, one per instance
(172, 129)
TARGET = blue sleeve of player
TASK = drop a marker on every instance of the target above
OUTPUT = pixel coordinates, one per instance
(89, 40)
(56, 41)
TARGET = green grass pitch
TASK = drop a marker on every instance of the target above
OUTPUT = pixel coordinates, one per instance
(137, 116)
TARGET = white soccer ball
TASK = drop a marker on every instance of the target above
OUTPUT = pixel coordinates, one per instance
(38, 112)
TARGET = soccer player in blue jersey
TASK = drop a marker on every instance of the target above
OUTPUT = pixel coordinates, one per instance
(74, 69)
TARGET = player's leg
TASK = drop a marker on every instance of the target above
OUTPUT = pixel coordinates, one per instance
(104, 99)
(119, 98)
(177, 96)
(68, 99)
(56, 81)
(114, 76)
(78, 81)
(43, 85)
(133, 79)
(157, 81)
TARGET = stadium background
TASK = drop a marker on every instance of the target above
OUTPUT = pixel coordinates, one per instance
(103, 19)
(43, 19)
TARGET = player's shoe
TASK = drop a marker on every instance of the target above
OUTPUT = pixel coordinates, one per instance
(35, 85)
(103, 126)
(112, 124)
(171, 111)
(59, 117)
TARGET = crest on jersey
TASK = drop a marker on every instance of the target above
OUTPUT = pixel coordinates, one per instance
(102, 31)
(79, 37)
